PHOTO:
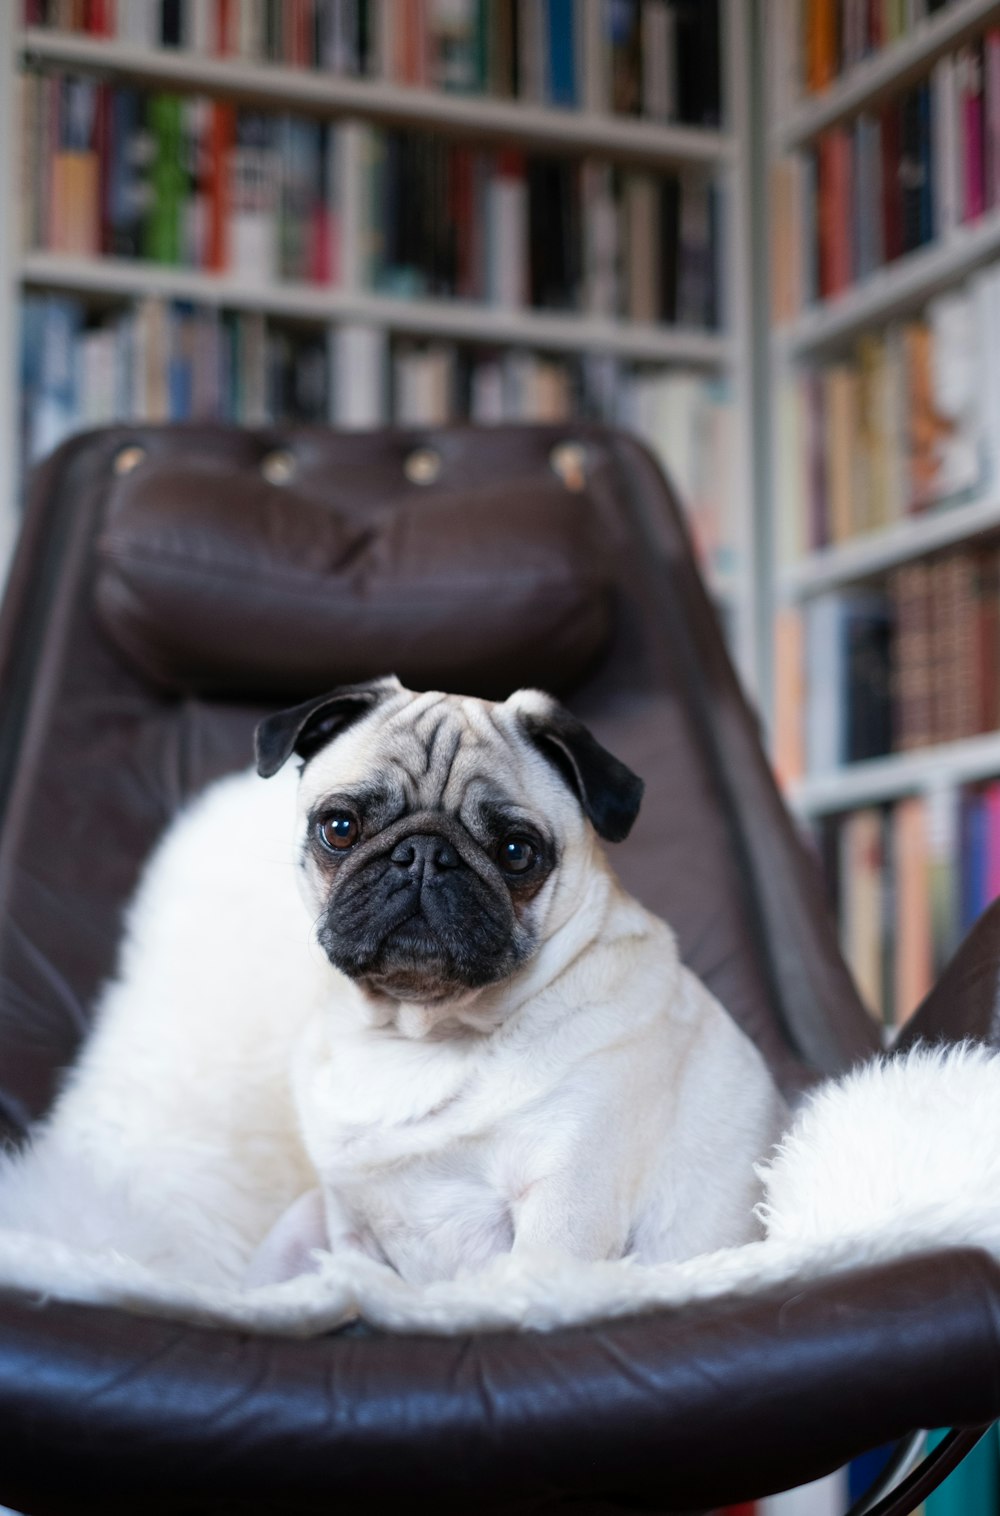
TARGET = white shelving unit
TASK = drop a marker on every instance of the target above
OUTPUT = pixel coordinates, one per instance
(9, 287)
(829, 328)
(877, 552)
(587, 131)
(431, 318)
(901, 287)
(880, 779)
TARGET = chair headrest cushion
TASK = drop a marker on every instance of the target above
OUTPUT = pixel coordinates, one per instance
(220, 583)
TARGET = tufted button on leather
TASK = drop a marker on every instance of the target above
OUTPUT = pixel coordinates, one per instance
(128, 458)
(279, 467)
(569, 461)
(422, 466)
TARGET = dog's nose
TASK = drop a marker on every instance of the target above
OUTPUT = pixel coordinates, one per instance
(425, 853)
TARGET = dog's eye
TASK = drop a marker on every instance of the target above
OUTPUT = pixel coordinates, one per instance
(516, 855)
(338, 831)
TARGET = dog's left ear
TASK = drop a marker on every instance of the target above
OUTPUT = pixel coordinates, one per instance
(608, 791)
(304, 729)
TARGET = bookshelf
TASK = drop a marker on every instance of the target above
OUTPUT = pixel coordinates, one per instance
(865, 83)
(275, 84)
(883, 156)
(350, 308)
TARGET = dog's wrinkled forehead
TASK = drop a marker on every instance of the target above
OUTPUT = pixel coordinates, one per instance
(440, 747)
(439, 753)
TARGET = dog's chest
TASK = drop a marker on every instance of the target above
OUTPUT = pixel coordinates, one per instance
(424, 1153)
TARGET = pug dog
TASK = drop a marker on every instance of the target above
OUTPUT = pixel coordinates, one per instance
(511, 1055)
(390, 999)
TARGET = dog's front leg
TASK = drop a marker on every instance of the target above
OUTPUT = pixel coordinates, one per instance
(556, 1212)
(313, 1223)
(288, 1248)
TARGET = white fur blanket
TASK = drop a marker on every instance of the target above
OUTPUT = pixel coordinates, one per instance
(899, 1157)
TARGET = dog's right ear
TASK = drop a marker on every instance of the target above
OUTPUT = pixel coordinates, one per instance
(304, 729)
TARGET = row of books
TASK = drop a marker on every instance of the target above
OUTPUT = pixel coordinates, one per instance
(654, 58)
(907, 667)
(180, 180)
(890, 181)
(191, 182)
(907, 422)
(447, 220)
(909, 880)
(163, 360)
(813, 42)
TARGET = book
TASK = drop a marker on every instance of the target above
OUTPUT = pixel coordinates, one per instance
(972, 127)
(914, 970)
(788, 746)
(848, 709)
(861, 908)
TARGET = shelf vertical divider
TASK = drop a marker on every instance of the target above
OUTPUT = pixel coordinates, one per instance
(739, 275)
(10, 243)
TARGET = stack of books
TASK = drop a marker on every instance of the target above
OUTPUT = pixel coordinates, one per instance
(167, 360)
(909, 421)
(889, 181)
(904, 668)
(654, 58)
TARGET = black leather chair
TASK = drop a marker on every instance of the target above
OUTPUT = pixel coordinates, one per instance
(173, 584)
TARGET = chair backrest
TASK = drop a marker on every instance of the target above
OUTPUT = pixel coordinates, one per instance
(97, 756)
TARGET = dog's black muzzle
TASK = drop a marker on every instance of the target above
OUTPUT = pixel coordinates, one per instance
(421, 912)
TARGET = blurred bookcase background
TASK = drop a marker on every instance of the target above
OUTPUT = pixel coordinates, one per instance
(884, 148)
(762, 234)
(365, 211)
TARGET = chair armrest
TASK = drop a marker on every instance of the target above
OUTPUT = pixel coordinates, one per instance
(965, 1002)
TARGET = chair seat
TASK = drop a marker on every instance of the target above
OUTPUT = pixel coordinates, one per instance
(677, 1411)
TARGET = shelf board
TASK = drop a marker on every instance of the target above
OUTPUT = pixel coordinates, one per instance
(897, 289)
(883, 779)
(876, 552)
(312, 91)
(885, 72)
(321, 304)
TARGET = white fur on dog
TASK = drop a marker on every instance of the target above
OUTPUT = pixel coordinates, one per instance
(900, 1157)
(595, 1098)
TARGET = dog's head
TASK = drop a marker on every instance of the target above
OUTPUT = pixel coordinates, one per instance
(436, 828)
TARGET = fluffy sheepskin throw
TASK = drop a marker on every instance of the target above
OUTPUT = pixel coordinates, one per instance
(898, 1157)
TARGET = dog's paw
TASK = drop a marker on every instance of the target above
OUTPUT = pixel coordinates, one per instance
(290, 1247)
